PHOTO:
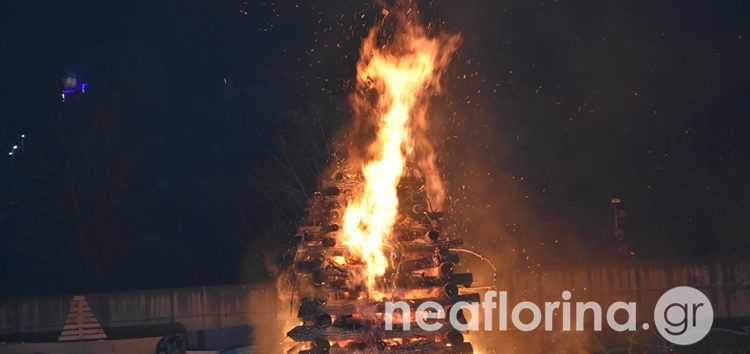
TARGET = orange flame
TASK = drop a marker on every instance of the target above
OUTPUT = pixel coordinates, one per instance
(403, 73)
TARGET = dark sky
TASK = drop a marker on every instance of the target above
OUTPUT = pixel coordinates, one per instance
(174, 168)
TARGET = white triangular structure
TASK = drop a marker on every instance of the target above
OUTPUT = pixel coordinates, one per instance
(81, 323)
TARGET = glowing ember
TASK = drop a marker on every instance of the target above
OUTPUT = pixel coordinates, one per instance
(403, 73)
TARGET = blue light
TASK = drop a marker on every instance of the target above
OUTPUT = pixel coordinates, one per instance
(73, 84)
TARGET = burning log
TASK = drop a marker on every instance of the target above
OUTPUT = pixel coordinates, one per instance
(453, 344)
(427, 247)
(428, 262)
(420, 347)
(367, 331)
(311, 309)
(409, 281)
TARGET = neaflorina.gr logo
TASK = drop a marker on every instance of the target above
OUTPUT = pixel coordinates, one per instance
(683, 315)
(525, 316)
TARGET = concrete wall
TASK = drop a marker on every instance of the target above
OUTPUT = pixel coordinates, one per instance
(225, 310)
(208, 313)
(726, 283)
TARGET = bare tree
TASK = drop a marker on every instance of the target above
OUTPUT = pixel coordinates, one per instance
(90, 203)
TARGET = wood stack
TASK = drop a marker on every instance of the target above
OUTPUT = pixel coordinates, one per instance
(337, 315)
(81, 323)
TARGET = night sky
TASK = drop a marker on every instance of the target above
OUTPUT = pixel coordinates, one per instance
(206, 124)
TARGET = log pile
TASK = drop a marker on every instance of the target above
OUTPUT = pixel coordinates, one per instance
(336, 314)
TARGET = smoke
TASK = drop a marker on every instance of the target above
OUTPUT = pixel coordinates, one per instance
(271, 316)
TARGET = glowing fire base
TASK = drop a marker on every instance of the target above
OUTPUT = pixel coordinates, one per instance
(341, 315)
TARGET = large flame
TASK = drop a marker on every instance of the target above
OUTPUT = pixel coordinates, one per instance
(403, 73)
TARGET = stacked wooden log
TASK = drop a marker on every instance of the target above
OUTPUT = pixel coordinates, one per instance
(337, 314)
